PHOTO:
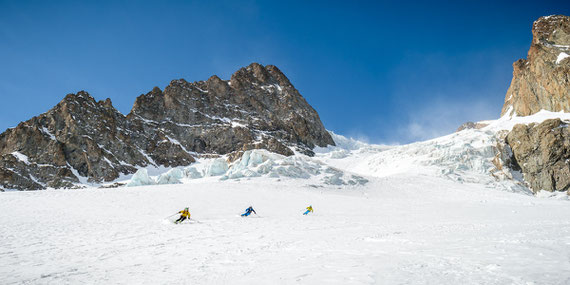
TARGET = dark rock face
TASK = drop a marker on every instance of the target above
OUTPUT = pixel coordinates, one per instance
(215, 116)
(542, 81)
(542, 151)
(80, 138)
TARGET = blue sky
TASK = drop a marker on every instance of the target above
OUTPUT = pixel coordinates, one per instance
(386, 72)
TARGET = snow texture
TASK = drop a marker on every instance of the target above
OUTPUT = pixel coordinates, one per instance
(21, 157)
(402, 229)
(561, 57)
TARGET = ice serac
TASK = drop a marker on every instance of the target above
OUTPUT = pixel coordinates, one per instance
(542, 80)
(82, 140)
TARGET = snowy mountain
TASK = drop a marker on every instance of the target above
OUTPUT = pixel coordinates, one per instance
(382, 215)
(487, 204)
(83, 140)
(480, 156)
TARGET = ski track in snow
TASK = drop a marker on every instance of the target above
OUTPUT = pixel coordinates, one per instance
(394, 230)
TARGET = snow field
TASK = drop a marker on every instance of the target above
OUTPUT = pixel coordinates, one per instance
(465, 156)
(404, 229)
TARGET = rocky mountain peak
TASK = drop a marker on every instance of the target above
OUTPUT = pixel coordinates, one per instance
(551, 30)
(81, 102)
(258, 71)
(80, 96)
(107, 103)
(81, 139)
(542, 81)
(278, 75)
(257, 74)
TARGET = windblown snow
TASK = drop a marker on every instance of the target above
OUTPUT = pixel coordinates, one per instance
(433, 212)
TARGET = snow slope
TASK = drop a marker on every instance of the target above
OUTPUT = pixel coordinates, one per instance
(464, 156)
(393, 230)
(423, 213)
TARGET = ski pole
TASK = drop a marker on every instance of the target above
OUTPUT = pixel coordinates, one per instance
(171, 215)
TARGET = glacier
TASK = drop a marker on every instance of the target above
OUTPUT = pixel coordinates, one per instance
(432, 212)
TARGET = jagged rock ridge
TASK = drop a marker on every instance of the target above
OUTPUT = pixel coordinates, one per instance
(542, 81)
(81, 139)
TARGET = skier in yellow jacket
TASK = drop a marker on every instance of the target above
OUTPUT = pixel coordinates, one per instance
(309, 210)
(184, 214)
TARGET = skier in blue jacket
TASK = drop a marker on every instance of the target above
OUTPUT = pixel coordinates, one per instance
(248, 212)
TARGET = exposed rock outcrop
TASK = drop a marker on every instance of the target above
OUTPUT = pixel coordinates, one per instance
(471, 125)
(81, 139)
(542, 81)
(77, 138)
(542, 151)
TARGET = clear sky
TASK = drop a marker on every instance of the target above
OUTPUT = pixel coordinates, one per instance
(387, 72)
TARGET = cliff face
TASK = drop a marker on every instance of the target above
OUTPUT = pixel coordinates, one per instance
(542, 151)
(542, 81)
(257, 108)
(81, 139)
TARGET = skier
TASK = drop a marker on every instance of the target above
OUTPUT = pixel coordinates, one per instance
(309, 210)
(184, 214)
(248, 212)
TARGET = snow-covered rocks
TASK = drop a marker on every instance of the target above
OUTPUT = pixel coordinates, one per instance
(476, 155)
(84, 139)
(21, 157)
(561, 57)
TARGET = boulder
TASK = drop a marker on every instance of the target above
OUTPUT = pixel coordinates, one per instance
(542, 151)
